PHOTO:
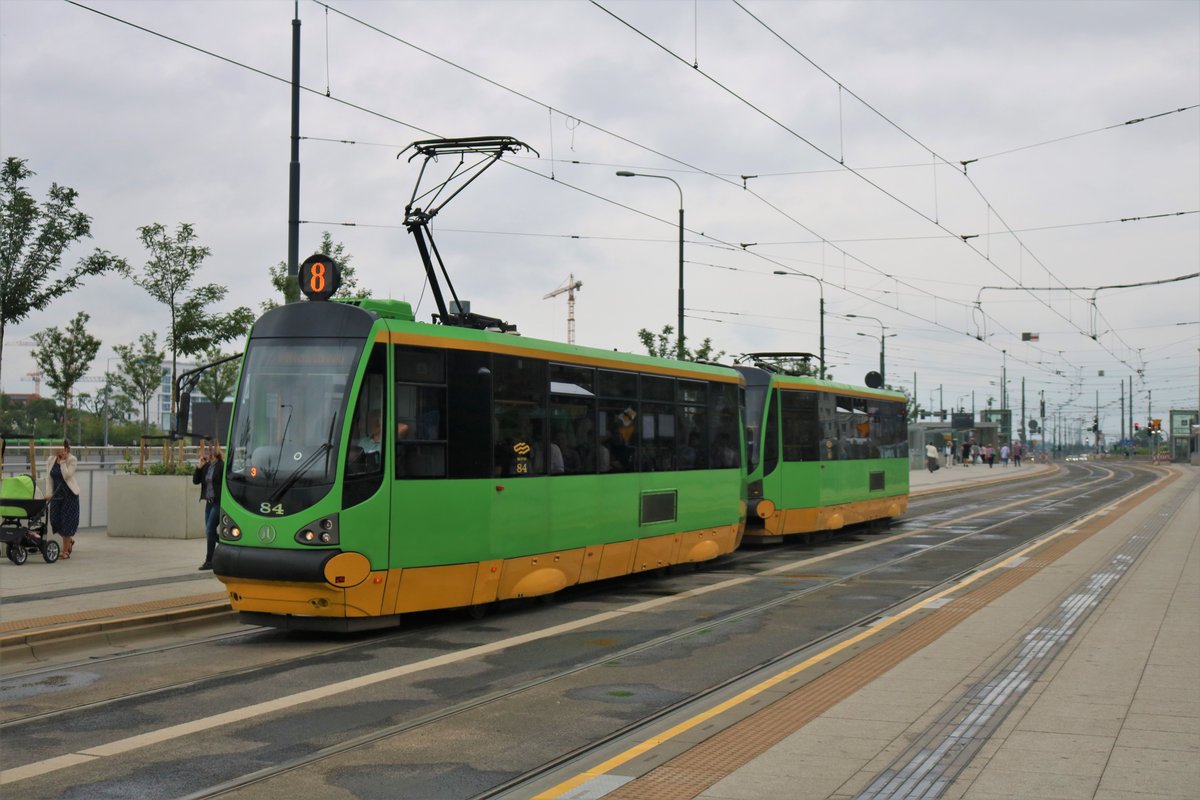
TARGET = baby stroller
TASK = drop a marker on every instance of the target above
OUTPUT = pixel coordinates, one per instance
(23, 522)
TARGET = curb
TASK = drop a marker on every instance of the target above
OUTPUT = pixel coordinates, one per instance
(86, 632)
(932, 490)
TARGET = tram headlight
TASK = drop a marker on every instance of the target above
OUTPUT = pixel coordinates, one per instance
(320, 532)
(227, 530)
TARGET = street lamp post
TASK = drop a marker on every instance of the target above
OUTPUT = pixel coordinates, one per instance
(882, 340)
(883, 334)
(107, 399)
(820, 315)
(627, 174)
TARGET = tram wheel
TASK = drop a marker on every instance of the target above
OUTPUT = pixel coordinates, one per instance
(478, 611)
(51, 551)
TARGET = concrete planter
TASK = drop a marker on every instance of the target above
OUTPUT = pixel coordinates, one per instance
(154, 507)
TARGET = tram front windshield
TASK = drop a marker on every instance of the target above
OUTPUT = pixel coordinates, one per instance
(287, 424)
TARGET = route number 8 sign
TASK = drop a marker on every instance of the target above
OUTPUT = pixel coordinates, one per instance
(319, 277)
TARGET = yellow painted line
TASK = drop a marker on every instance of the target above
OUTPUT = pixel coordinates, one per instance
(649, 744)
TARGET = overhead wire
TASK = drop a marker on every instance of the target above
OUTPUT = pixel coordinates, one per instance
(828, 155)
(619, 137)
(991, 209)
(1083, 133)
(600, 197)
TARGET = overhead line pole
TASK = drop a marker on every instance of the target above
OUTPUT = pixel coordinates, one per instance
(294, 166)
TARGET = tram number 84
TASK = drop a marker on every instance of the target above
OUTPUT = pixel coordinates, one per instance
(267, 508)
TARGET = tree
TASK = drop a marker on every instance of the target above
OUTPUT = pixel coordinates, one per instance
(64, 358)
(217, 382)
(140, 372)
(33, 239)
(37, 417)
(660, 346)
(287, 286)
(167, 277)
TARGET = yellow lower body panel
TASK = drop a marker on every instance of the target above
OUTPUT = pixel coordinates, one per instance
(403, 591)
(308, 599)
(788, 521)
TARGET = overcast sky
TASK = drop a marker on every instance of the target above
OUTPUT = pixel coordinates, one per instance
(847, 114)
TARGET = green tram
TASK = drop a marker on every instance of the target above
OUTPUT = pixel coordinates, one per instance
(379, 466)
(820, 455)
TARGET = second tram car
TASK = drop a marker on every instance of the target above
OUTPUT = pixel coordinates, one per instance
(820, 455)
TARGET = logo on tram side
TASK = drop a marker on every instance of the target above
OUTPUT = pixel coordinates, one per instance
(266, 534)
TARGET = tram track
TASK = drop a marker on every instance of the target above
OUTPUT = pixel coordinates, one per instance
(416, 724)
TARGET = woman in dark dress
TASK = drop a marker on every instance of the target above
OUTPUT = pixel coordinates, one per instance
(64, 496)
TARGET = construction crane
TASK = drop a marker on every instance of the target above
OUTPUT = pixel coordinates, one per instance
(569, 288)
(36, 377)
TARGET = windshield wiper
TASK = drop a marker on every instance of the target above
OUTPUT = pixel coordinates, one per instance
(323, 448)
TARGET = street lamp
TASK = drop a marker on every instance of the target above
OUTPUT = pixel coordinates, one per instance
(882, 335)
(882, 345)
(627, 174)
(821, 313)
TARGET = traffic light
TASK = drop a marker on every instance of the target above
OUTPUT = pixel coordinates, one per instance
(1095, 424)
(1137, 426)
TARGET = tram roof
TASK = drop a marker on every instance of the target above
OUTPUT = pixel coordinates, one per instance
(397, 324)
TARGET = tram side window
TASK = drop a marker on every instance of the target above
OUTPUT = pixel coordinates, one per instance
(893, 431)
(771, 435)
(695, 438)
(754, 405)
(616, 421)
(420, 395)
(519, 417)
(572, 420)
(694, 445)
(658, 437)
(658, 424)
(367, 446)
(801, 427)
(829, 413)
(725, 452)
(469, 414)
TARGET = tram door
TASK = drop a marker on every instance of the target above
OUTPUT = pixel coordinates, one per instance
(366, 511)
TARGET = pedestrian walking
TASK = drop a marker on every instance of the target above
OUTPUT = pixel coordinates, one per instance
(209, 476)
(1004, 455)
(63, 492)
(989, 455)
(949, 454)
(966, 454)
(931, 457)
(1017, 452)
